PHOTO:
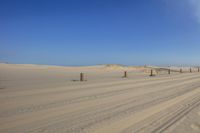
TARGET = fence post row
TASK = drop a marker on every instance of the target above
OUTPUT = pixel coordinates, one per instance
(125, 73)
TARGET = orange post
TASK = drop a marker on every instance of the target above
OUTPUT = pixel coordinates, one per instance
(151, 73)
(125, 74)
(81, 77)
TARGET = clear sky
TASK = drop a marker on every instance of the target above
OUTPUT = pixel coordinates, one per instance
(89, 32)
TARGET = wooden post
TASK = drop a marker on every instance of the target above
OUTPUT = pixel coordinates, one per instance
(190, 70)
(169, 71)
(198, 69)
(125, 74)
(151, 73)
(181, 70)
(81, 77)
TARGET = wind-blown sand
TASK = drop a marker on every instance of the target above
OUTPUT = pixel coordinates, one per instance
(39, 98)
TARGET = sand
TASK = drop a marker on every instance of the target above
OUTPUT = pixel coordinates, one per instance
(49, 99)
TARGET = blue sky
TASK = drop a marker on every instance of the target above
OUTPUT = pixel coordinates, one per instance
(89, 32)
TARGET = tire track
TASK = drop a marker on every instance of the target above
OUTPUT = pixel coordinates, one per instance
(161, 121)
(87, 121)
(9, 113)
(178, 116)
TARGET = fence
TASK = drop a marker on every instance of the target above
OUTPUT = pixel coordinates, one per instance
(155, 71)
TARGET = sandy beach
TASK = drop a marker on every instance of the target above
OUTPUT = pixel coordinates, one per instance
(50, 99)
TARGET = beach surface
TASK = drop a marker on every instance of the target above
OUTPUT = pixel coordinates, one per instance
(51, 99)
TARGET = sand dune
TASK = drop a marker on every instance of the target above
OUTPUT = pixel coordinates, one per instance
(41, 98)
